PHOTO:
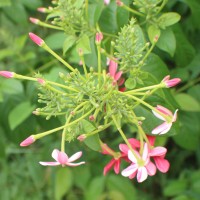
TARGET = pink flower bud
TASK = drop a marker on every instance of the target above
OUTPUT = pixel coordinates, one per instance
(41, 81)
(91, 118)
(119, 3)
(34, 20)
(81, 137)
(171, 83)
(28, 141)
(99, 37)
(42, 10)
(36, 39)
(7, 74)
(106, 2)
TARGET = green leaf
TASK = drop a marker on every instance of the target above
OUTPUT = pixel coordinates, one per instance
(122, 15)
(123, 185)
(153, 32)
(84, 44)
(168, 19)
(11, 86)
(175, 187)
(63, 182)
(187, 102)
(95, 188)
(19, 114)
(68, 43)
(130, 83)
(5, 3)
(56, 40)
(167, 42)
(189, 134)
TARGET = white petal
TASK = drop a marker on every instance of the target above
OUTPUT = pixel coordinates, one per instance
(129, 170)
(167, 129)
(75, 156)
(175, 115)
(55, 154)
(163, 128)
(75, 164)
(49, 163)
(132, 157)
(158, 115)
(142, 174)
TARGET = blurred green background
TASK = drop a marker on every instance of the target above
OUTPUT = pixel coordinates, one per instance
(21, 177)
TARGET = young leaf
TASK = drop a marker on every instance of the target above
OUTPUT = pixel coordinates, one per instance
(153, 32)
(84, 44)
(68, 43)
(168, 19)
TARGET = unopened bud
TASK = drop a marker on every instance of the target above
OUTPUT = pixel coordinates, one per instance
(34, 20)
(81, 137)
(36, 39)
(99, 37)
(91, 118)
(7, 74)
(28, 141)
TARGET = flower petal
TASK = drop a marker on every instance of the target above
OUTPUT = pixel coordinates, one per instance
(158, 151)
(62, 158)
(75, 164)
(142, 174)
(145, 152)
(124, 148)
(49, 163)
(118, 75)
(132, 157)
(162, 129)
(164, 110)
(162, 164)
(55, 154)
(151, 169)
(129, 170)
(112, 68)
(75, 156)
(134, 143)
(158, 115)
(108, 167)
(117, 166)
(175, 116)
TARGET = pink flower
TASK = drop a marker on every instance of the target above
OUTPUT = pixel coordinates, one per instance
(34, 20)
(7, 74)
(158, 154)
(141, 166)
(106, 2)
(171, 83)
(164, 127)
(36, 39)
(28, 141)
(116, 75)
(61, 158)
(114, 162)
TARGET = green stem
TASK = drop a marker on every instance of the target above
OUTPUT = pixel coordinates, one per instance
(109, 35)
(47, 48)
(133, 11)
(84, 66)
(40, 23)
(162, 6)
(99, 63)
(86, 9)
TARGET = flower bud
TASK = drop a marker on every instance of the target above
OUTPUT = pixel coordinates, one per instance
(36, 39)
(28, 141)
(7, 74)
(81, 137)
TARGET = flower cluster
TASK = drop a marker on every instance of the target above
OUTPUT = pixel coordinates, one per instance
(100, 97)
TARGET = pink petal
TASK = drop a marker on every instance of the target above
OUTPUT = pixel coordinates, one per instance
(162, 129)
(112, 68)
(166, 78)
(151, 169)
(121, 81)
(162, 164)
(151, 139)
(36, 39)
(142, 174)
(108, 167)
(49, 163)
(75, 164)
(134, 143)
(55, 154)
(132, 157)
(124, 148)
(122, 89)
(117, 166)
(175, 116)
(158, 151)
(173, 82)
(118, 75)
(106, 150)
(34, 20)
(28, 141)
(75, 156)
(164, 110)
(62, 158)
(129, 170)
(133, 175)
(7, 74)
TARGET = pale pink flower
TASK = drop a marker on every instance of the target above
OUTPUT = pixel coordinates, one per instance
(34, 20)
(171, 82)
(166, 126)
(106, 2)
(141, 166)
(7, 74)
(36, 39)
(42, 10)
(61, 158)
(114, 162)
(28, 141)
(158, 154)
(119, 3)
(41, 81)
(81, 137)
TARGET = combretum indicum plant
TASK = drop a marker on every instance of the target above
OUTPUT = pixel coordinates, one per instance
(110, 94)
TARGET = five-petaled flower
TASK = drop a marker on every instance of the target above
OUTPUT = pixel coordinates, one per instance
(61, 158)
(140, 166)
(166, 125)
